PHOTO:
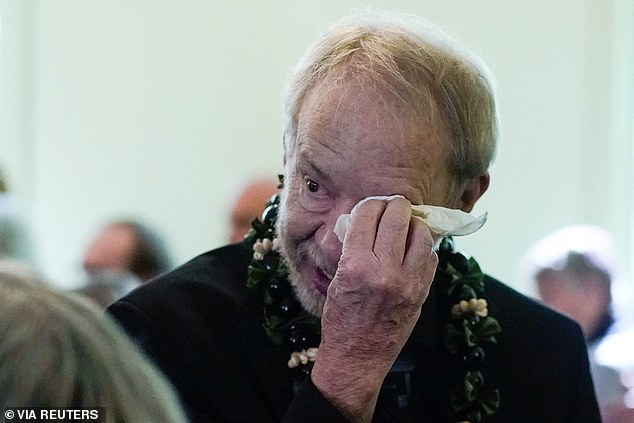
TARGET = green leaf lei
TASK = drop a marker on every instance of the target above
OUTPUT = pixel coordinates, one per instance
(468, 330)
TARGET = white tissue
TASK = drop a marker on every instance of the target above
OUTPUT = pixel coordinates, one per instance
(440, 220)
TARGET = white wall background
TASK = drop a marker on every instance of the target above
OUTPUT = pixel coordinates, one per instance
(156, 109)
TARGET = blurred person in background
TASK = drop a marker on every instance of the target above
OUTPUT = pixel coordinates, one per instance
(573, 269)
(122, 255)
(14, 243)
(248, 205)
(59, 350)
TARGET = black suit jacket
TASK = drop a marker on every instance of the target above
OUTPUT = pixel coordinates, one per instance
(203, 328)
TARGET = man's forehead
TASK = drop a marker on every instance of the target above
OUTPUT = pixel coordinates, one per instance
(362, 129)
(360, 114)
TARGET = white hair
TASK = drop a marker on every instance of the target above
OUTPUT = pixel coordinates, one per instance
(427, 70)
(59, 350)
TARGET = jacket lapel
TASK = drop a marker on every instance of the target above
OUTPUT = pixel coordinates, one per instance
(270, 364)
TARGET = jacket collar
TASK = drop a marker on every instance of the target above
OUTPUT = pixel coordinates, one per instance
(428, 332)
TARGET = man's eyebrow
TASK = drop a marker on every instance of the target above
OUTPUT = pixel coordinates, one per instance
(310, 166)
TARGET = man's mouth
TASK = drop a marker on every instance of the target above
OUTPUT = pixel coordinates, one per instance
(327, 274)
(322, 280)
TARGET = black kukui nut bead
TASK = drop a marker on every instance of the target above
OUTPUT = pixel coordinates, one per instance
(285, 308)
(301, 339)
(474, 357)
(270, 261)
(270, 214)
(277, 289)
(473, 321)
(298, 339)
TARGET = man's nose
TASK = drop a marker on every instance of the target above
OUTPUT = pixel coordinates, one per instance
(329, 243)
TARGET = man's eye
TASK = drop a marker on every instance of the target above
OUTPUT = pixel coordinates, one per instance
(312, 185)
(313, 196)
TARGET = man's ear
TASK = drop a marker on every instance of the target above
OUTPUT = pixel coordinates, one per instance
(473, 190)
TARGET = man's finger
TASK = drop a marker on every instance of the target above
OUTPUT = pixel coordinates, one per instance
(391, 236)
(363, 226)
(420, 244)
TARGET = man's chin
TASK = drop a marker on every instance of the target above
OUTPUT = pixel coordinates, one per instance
(308, 295)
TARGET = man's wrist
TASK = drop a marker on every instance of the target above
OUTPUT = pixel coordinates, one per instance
(353, 391)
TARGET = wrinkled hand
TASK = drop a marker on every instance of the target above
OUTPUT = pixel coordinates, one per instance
(385, 271)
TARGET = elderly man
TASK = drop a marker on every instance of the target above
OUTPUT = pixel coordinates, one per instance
(302, 324)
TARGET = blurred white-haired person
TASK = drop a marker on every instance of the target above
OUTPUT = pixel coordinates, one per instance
(573, 270)
(59, 350)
